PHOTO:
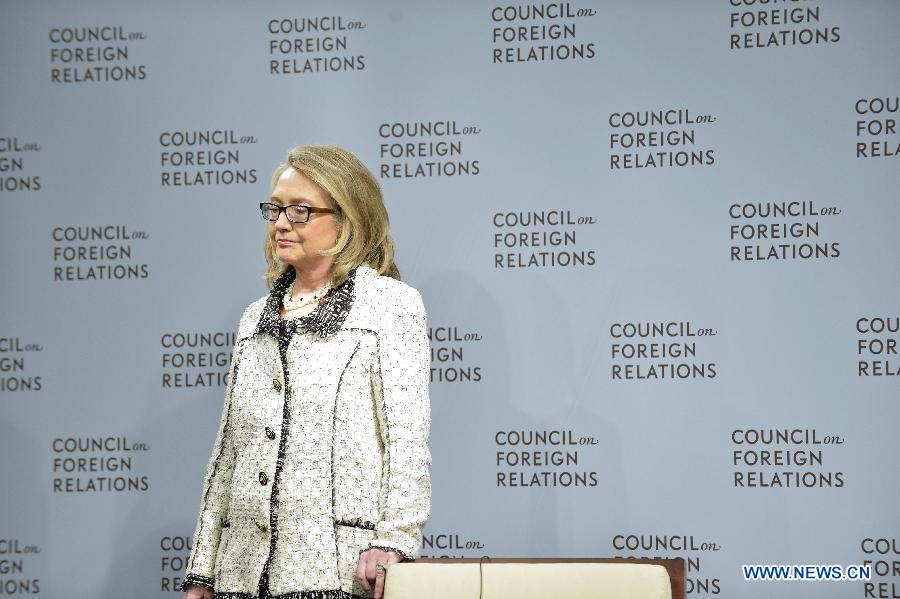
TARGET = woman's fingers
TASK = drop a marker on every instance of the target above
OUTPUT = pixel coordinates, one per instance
(387, 558)
(361, 572)
(372, 569)
(373, 558)
(380, 575)
(198, 592)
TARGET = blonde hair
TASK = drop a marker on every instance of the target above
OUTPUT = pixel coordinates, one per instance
(364, 234)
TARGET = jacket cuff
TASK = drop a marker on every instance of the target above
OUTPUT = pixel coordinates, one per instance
(207, 537)
(196, 579)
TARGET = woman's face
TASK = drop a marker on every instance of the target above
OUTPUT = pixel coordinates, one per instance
(298, 243)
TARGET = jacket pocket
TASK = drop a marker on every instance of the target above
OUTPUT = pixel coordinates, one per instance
(351, 540)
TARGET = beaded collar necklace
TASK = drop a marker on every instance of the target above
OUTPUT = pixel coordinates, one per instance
(324, 321)
(300, 301)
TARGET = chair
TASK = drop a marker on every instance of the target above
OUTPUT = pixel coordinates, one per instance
(533, 578)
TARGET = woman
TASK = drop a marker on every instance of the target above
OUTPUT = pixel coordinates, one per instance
(318, 479)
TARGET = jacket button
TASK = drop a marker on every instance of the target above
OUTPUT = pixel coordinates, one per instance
(261, 525)
(263, 478)
(270, 433)
(276, 384)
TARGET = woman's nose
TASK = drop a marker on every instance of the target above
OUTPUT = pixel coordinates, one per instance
(282, 221)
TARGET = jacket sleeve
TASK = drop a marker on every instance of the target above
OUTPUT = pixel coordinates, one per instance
(401, 396)
(216, 496)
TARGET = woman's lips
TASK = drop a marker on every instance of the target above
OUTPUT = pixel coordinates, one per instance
(284, 242)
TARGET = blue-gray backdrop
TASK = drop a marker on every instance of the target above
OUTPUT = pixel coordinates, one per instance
(657, 242)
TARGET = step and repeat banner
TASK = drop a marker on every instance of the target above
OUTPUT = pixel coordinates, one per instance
(657, 242)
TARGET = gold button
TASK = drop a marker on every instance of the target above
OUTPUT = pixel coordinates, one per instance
(261, 525)
(263, 478)
(277, 384)
(270, 433)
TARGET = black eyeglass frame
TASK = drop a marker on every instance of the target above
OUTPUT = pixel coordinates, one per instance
(263, 206)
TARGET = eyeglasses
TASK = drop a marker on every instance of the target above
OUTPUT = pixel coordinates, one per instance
(294, 212)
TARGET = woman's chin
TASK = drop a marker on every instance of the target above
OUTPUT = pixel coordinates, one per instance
(288, 254)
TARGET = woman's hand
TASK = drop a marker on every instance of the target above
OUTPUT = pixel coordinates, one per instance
(369, 574)
(196, 591)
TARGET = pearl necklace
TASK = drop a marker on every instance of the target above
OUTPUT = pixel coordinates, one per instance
(295, 303)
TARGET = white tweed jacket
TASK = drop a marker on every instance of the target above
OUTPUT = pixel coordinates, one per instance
(322, 450)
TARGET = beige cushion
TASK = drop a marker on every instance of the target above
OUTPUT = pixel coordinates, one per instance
(527, 581)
